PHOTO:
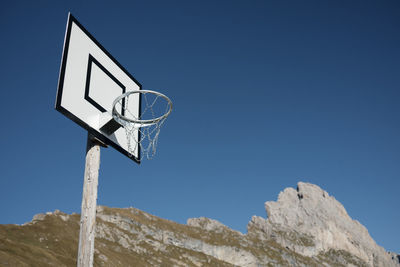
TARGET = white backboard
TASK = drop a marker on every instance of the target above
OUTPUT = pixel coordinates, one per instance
(90, 79)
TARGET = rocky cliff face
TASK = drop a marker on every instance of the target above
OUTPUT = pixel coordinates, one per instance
(312, 223)
(305, 227)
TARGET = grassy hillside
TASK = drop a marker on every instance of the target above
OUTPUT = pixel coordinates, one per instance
(130, 237)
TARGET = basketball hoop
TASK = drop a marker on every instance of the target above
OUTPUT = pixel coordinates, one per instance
(142, 129)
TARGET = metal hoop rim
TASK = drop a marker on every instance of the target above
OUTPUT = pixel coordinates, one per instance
(143, 122)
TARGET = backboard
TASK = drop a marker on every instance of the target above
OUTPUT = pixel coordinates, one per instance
(90, 80)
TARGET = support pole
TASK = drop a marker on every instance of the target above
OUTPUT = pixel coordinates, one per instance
(89, 199)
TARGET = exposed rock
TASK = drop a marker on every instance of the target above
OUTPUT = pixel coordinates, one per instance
(309, 221)
(39, 217)
(305, 227)
(209, 225)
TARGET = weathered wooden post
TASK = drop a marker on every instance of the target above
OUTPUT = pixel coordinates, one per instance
(89, 199)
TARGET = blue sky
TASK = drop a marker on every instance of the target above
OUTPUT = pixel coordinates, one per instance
(266, 94)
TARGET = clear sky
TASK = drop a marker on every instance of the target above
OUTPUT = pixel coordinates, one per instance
(266, 94)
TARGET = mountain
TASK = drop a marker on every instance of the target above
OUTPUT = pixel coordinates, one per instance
(305, 227)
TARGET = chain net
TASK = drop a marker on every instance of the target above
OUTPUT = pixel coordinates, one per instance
(143, 129)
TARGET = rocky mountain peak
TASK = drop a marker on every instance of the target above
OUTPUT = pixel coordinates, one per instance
(304, 227)
(312, 222)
